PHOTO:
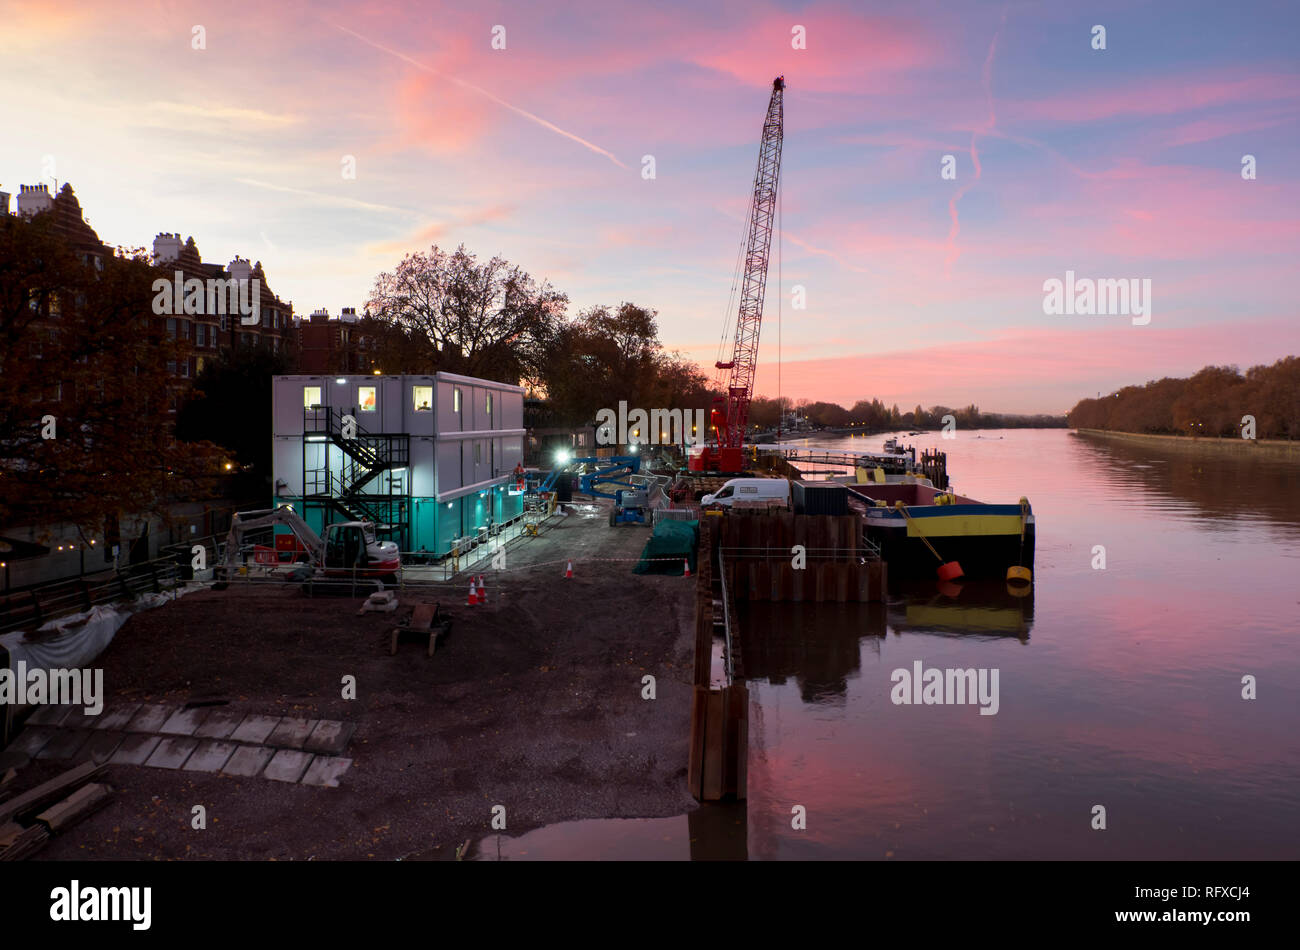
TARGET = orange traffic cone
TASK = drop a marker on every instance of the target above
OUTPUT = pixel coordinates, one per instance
(482, 590)
(473, 595)
(687, 563)
(568, 571)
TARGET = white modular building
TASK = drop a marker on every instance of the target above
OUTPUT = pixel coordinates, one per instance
(427, 458)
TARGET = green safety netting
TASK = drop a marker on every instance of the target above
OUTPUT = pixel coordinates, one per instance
(673, 541)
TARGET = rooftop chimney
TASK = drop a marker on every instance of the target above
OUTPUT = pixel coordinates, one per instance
(166, 247)
(33, 199)
(239, 269)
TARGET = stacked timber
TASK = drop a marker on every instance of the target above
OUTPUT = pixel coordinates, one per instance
(29, 820)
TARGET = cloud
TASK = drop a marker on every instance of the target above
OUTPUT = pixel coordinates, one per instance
(434, 232)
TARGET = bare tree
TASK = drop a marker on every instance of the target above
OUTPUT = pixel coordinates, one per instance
(486, 319)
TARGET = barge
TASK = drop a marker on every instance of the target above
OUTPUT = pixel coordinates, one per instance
(918, 527)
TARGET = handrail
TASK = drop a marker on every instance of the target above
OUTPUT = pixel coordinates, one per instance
(726, 618)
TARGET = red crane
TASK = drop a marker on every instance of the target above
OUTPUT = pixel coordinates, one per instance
(731, 410)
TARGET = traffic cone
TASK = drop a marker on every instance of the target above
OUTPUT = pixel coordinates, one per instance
(568, 571)
(473, 595)
(686, 562)
(482, 591)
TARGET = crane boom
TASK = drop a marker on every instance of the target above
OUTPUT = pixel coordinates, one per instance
(731, 409)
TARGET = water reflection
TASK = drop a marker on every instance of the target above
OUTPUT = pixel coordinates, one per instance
(968, 608)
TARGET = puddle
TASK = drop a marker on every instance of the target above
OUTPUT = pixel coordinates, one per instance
(711, 832)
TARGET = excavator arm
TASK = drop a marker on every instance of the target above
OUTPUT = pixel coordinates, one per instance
(246, 521)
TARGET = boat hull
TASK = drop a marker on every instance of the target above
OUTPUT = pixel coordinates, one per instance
(985, 540)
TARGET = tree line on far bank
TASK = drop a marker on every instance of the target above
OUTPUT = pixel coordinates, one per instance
(874, 414)
(1213, 402)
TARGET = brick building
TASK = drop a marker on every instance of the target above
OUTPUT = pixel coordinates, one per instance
(323, 344)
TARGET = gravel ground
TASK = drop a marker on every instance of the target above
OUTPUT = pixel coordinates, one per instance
(532, 703)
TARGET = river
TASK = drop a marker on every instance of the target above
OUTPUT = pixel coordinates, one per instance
(1119, 687)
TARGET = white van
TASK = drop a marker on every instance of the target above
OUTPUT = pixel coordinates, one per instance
(749, 489)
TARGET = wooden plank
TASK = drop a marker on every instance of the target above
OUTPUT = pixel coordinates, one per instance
(82, 803)
(695, 760)
(713, 742)
(26, 844)
(49, 792)
(735, 700)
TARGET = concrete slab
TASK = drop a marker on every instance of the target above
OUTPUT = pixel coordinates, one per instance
(330, 737)
(210, 756)
(134, 750)
(171, 753)
(183, 722)
(325, 770)
(150, 718)
(31, 739)
(248, 760)
(49, 715)
(255, 729)
(65, 744)
(79, 719)
(291, 733)
(287, 765)
(118, 717)
(219, 724)
(102, 745)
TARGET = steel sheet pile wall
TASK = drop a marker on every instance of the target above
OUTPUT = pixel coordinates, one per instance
(719, 748)
(760, 561)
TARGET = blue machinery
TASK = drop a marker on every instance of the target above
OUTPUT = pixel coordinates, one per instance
(609, 473)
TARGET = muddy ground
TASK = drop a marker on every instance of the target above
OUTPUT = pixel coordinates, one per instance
(532, 702)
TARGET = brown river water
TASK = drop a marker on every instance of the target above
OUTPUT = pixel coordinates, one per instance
(1118, 687)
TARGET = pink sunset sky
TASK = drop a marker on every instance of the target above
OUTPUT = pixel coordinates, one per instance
(1117, 163)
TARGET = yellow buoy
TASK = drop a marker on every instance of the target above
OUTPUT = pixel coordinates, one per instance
(1020, 574)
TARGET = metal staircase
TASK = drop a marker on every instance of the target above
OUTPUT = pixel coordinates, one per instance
(367, 479)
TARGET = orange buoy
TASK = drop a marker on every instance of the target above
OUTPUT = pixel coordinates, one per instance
(950, 571)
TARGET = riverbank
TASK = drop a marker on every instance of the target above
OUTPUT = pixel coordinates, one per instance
(532, 703)
(1279, 449)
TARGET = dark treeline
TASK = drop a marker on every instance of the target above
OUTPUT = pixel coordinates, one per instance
(874, 414)
(1213, 402)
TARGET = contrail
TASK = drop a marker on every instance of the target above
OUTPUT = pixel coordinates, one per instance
(483, 92)
(987, 76)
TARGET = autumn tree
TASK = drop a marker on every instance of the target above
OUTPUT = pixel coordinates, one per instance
(85, 393)
(489, 319)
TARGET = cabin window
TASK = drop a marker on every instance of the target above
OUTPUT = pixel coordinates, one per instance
(422, 398)
(366, 396)
(310, 396)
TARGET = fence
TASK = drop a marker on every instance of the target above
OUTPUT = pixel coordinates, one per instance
(32, 608)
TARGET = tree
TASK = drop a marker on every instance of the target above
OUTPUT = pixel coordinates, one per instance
(490, 320)
(85, 392)
(228, 406)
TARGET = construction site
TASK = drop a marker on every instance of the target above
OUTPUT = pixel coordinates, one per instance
(415, 639)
